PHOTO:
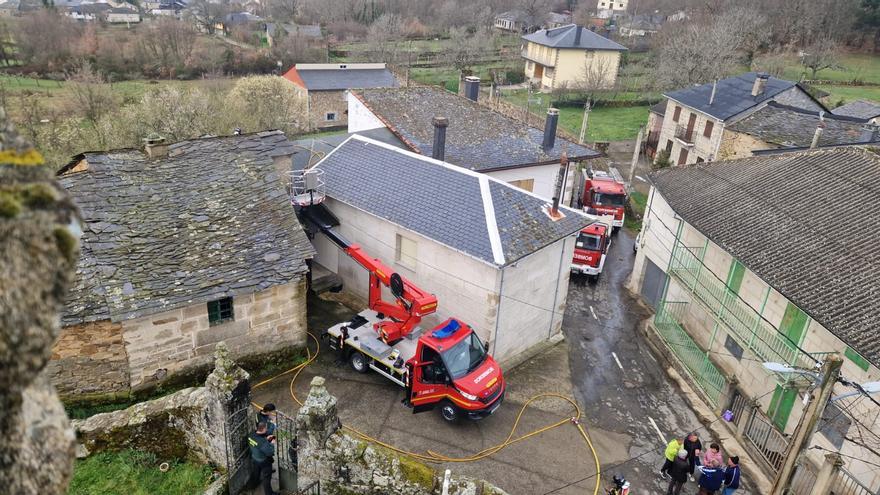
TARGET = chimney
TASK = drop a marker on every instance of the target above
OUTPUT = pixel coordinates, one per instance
(817, 135)
(438, 151)
(550, 129)
(577, 35)
(712, 96)
(869, 133)
(155, 147)
(472, 88)
(760, 84)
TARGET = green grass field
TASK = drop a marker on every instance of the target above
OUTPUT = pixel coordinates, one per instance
(638, 202)
(136, 473)
(854, 67)
(850, 93)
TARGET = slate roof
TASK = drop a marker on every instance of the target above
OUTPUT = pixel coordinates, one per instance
(788, 126)
(514, 15)
(341, 79)
(659, 108)
(763, 211)
(732, 96)
(211, 219)
(862, 109)
(309, 151)
(564, 37)
(477, 138)
(442, 202)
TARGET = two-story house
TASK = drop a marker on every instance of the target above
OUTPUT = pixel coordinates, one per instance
(514, 21)
(696, 117)
(743, 268)
(570, 57)
(605, 9)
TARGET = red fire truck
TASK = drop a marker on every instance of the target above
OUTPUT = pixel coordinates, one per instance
(447, 366)
(605, 194)
(591, 247)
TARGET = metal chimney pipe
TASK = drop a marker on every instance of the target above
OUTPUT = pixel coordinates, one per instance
(472, 88)
(550, 129)
(760, 84)
(438, 151)
(712, 96)
(817, 135)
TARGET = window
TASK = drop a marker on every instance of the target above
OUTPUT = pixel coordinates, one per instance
(856, 358)
(601, 199)
(700, 159)
(733, 348)
(707, 131)
(527, 184)
(669, 146)
(406, 253)
(676, 114)
(220, 311)
(683, 156)
(465, 356)
(330, 116)
(588, 242)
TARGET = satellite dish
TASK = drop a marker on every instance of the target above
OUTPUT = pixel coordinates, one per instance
(396, 285)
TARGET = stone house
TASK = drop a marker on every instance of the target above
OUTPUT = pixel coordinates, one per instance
(608, 8)
(742, 269)
(184, 245)
(325, 88)
(777, 126)
(557, 19)
(122, 15)
(860, 109)
(273, 31)
(514, 21)
(476, 137)
(696, 117)
(570, 57)
(489, 251)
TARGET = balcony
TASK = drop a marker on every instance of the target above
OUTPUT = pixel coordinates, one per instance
(684, 135)
(742, 322)
(546, 61)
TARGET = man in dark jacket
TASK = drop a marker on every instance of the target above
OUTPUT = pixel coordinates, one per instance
(694, 448)
(678, 473)
(731, 475)
(262, 456)
(711, 478)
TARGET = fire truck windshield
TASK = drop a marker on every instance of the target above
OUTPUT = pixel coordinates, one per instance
(609, 199)
(588, 242)
(465, 356)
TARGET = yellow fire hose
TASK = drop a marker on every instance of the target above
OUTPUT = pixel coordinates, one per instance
(433, 457)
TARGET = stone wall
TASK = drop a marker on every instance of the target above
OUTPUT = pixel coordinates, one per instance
(740, 145)
(346, 465)
(323, 102)
(89, 360)
(169, 343)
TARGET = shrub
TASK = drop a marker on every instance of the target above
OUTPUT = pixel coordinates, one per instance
(662, 159)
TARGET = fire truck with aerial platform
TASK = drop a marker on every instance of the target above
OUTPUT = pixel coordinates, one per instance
(604, 193)
(447, 367)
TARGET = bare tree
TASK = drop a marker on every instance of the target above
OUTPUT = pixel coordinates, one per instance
(90, 96)
(465, 49)
(383, 38)
(695, 52)
(207, 14)
(47, 39)
(168, 42)
(595, 76)
(284, 9)
(821, 54)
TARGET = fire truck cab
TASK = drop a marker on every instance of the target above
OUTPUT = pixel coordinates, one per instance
(591, 248)
(605, 193)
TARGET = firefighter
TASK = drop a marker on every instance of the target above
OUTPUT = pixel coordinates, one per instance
(262, 456)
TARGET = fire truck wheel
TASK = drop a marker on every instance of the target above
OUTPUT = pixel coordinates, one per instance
(358, 362)
(449, 412)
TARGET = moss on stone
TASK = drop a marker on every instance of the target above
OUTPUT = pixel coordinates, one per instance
(66, 243)
(10, 206)
(416, 472)
(39, 195)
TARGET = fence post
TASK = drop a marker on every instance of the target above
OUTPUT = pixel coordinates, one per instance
(827, 474)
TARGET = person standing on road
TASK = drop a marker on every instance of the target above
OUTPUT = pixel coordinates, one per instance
(262, 447)
(711, 478)
(671, 451)
(713, 454)
(731, 476)
(678, 473)
(694, 448)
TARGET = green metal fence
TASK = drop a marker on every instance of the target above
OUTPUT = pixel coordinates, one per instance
(744, 323)
(695, 360)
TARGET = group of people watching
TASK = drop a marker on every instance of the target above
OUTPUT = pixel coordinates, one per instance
(685, 459)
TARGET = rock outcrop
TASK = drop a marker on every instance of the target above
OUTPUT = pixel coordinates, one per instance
(39, 246)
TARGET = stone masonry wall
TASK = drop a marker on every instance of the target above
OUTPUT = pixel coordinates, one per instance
(322, 102)
(164, 344)
(90, 359)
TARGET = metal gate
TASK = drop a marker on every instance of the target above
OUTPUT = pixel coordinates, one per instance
(236, 430)
(285, 450)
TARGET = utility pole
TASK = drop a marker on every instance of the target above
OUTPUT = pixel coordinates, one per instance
(636, 152)
(800, 439)
(583, 133)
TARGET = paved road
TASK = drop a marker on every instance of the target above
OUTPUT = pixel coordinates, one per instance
(623, 394)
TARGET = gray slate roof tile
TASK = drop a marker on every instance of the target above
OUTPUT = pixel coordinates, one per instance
(564, 37)
(732, 96)
(440, 202)
(339, 79)
(789, 219)
(787, 126)
(204, 222)
(862, 109)
(477, 138)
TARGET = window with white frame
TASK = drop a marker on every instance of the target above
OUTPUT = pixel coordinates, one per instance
(406, 253)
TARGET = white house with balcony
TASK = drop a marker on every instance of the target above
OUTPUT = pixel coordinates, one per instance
(742, 268)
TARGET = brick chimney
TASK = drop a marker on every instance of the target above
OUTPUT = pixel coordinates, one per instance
(155, 147)
(472, 88)
(550, 129)
(438, 151)
(760, 84)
